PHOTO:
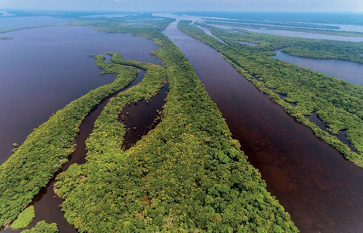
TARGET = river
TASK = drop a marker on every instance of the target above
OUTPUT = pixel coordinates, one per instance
(308, 35)
(7, 22)
(43, 69)
(346, 70)
(316, 185)
(144, 116)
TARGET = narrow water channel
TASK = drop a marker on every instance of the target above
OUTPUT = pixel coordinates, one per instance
(208, 32)
(141, 117)
(346, 70)
(47, 203)
(341, 135)
(316, 185)
(307, 35)
(39, 75)
(248, 43)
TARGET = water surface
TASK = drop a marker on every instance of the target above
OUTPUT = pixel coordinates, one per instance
(141, 117)
(42, 70)
(346, 70)
(307, 35)
(248, 43)
(208, 32)
(105, 16)
(321, 190)
(348, 27)
(28, 21)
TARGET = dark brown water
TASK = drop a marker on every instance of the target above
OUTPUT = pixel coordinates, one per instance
(322, 191)
(141, 117)
(42, 70)
(346, 70)
(47, 203)
(341, 135)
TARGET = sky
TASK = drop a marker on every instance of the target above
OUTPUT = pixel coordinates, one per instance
(188, 5)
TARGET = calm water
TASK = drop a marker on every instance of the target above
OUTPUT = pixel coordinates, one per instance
(322, 191)
(208, 32)
(348, 27)
(16, 22)
(105, 16)
(47, 204)
(348, 71)
(247, 43)
(5, 14)
(42, 70)
(307, 35)
(141, 117)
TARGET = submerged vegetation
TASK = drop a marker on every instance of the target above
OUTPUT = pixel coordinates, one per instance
(24, 218)
(43, 227)
(338, 103)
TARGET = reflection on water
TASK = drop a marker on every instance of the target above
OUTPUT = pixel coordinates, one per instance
(346, 70)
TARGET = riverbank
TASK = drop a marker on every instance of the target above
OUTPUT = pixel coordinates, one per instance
(308, 177)
(311, 94)
(182, 168)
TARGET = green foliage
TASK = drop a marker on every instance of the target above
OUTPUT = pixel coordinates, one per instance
(296, 27)
(322, 49)
(186, 175)
(141, 24)
(338, 103)
(24, 218)
(47, 147)
(107, 128)
(43, 227)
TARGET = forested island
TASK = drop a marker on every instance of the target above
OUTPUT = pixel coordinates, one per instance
(187, 173)
(338, 103)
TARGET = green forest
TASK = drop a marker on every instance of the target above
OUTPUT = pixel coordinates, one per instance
(338, 103)
(187, 174)
(288, 26)
(48, 146)
(301, 47)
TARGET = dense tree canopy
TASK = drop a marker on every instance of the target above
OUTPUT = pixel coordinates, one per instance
(187, 174)
(338, 103)
(322, 49)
